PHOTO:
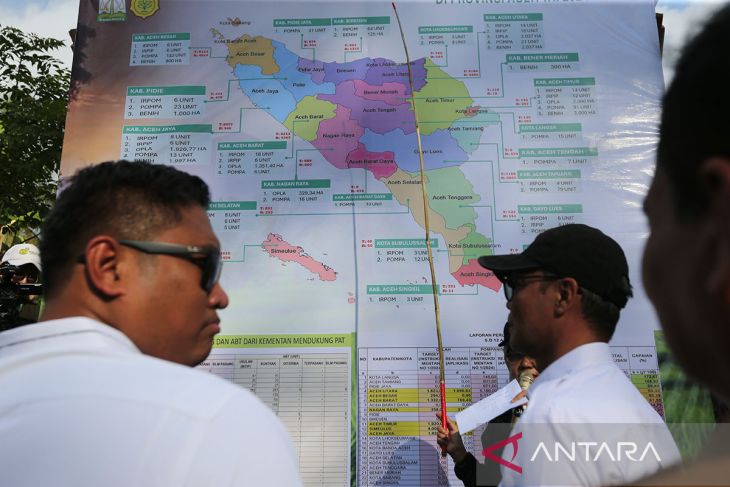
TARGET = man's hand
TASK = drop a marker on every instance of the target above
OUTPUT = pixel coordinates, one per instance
(451, 439)
(519, 396)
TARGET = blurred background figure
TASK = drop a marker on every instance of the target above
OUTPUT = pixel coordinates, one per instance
(20, 288)
(520, 367)
(466, 466)
(688, 207)
(26, 258)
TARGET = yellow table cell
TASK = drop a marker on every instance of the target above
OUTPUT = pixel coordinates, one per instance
(460, 397)
(428, 429)
(457, 390)
(393, 428)
(400, 409)
(393, 395)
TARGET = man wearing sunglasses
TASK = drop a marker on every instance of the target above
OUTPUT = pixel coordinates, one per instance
(564, 294)
(101, 392)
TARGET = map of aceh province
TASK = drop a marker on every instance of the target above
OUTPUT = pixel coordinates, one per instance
(358, 114)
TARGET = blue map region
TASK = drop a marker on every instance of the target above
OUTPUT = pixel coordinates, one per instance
(440, 149)
(298, 83)
(265, 92)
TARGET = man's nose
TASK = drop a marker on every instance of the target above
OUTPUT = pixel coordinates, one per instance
(218, 298)
(528, 363)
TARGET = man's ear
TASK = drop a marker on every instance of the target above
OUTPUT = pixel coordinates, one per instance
(567, 294)
(715, 229)
(104, 270)
(715, 175)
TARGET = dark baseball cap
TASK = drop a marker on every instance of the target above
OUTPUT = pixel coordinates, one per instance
(584, 253)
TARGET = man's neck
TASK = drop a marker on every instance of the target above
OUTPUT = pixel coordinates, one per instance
(60, 307)
(563, 345)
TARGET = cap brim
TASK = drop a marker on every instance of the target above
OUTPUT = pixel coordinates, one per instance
(504, 264)
(20, 262)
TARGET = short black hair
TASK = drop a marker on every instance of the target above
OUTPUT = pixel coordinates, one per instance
(123, 199)
(601, 314)
(695, 124)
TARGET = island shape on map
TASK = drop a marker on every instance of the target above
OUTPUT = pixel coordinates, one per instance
(359, 115)
(277, 247)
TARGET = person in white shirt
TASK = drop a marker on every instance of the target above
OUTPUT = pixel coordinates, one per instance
(564, 294)
(100, 392)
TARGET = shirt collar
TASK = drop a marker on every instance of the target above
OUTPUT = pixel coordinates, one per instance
(83, 330)
(579, 358)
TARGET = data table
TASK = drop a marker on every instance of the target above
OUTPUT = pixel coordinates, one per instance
(398, 395)
(311, 394)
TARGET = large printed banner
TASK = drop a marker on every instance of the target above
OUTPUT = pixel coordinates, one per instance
(299, 117)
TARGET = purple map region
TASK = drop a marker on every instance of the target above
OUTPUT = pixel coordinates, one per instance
(315, 69)
(440, 149)
(390, 93)
(337, 137)
(377, 116)
(338, 72)
(386, 71)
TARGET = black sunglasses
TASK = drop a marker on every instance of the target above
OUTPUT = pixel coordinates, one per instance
(512, 283)
(513, 356)
(208, 258)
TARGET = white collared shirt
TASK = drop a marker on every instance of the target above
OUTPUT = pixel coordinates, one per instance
(80, 405)
(585, 390)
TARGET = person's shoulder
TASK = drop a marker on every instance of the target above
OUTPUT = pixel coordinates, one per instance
(231, 424)
(599, 393)
(79, 358)
(598, 378)
(183, 386)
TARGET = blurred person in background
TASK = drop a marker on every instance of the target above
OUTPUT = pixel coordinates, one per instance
(466, 466)
(686, 266)
(20, 288)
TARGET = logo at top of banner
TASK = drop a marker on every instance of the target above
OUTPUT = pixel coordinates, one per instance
(144, 8)
(112, 11)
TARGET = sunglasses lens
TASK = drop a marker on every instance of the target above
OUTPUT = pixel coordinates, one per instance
(508, 291)
(212, 270)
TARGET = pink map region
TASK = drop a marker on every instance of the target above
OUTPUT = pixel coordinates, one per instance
(472, 273)
(390, 93)
(381, 164)
(337, 137)
(277, 247)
